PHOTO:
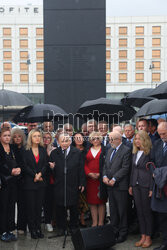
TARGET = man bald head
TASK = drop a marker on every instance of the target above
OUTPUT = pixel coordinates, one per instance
(162, 131)
(115, 139)
(117, 129)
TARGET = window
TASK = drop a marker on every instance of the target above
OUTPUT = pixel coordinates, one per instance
(122, 77)
(108, 31)
(7, 55)
(7, 66)
(7, 31)
(122, 42)
(108, 65)
(108, 77)
(139, 54)
(39, 55)
(139, 77)
(39, 43)
(139, 30)
(139, 65)
(23, 31)
(23, 55)
(156, 42)
(122, 54)
(7, 77)
(156, 77)
(7, 43)
(108, 43)
(139, 42)
(23, 66)
(108, 54)
(24, 43)
(40, 77)
(24, 78)
(156, 53)
(40, 66)
(122, 65)
(39, 31)
(156, 30)
(157, 65)
(123, 31)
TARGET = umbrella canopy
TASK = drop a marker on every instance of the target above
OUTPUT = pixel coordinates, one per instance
(153, 107)
(11, 98)
(160, 92)
(138, 97)
(114, 108)
(39, 113)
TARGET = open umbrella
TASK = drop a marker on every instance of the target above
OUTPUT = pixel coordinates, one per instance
(138, 97)
(153, 107)
(107, 109)
(12, 98)
(39, 113)
(160, 92)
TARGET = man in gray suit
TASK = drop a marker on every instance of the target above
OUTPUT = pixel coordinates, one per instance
(159, 157)
(116, 177)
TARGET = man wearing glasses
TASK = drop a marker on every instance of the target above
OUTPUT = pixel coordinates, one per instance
(115, 176)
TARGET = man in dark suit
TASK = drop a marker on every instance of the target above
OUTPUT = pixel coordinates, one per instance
(66, 161)
(116, 176)
(159, 157)
(152, 128)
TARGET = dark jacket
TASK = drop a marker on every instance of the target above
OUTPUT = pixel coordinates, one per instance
(139, 172)
(119, 167)
(31, 168)
(75, 175)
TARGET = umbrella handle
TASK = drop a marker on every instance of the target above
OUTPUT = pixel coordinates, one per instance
(150, 163)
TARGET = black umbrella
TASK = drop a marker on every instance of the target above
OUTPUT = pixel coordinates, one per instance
(138, 97)
(107, 109)
(160, 92)
(11, 98)
(153, 107)
(40, 113)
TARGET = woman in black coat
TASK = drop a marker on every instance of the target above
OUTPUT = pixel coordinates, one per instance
(9, 170)
(141, 185)
(35, 164)
(69, 156)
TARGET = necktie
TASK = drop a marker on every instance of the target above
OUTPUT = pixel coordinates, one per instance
(165, 148)
(112, 155)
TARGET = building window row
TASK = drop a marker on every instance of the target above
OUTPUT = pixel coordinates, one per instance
(139, 30)
(23, 43)
(139, 65)
(139, 54)
(7, 55)
(139, 77)
(23, 66)
(139, 42)
(22, 31)
(24, 78)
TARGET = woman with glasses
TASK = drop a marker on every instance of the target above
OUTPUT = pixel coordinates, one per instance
(93, 169)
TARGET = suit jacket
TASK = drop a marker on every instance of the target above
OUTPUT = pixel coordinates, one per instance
(160, 160)
(31, 168)
(139, 172)
(75, 176)
(119, 167)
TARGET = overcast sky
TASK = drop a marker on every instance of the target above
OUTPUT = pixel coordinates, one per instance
(117, 7)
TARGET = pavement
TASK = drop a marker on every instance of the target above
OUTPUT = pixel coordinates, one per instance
(25, 242)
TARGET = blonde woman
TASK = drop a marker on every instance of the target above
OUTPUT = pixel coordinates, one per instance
(35, 164)
(141, 184)
(93, 169)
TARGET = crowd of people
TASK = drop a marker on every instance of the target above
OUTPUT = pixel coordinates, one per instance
(79, 172)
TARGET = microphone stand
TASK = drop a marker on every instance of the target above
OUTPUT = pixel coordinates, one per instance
(65, 197)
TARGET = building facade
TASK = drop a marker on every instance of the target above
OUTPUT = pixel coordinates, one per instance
(21, 50)
(136, 53)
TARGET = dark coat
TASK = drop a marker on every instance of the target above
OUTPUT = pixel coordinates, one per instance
(6, 167)
(139, 172)
(75, 175)
(31, 168)
(160, 160)
(119, 167)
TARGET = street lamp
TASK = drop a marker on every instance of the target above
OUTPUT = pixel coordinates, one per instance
(151, 67)
(28, 64)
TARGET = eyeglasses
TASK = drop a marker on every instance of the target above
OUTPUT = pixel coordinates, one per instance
(46, 138)
(95, 138)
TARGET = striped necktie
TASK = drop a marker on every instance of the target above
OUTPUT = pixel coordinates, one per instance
(112, 154)
(165, 148)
